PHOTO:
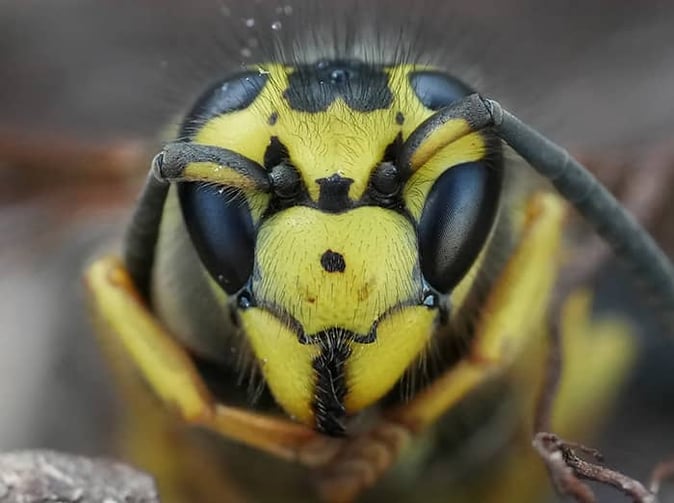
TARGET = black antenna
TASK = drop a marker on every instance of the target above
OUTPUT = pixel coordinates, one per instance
(628, 239)
(169, 164)
(143, 231)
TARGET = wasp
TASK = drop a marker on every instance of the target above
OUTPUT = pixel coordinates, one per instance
(360, 238)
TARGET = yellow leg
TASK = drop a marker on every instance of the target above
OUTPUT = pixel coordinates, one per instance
(147, 436)
(174, 379)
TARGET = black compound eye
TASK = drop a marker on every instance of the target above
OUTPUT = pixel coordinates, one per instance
(436, 89)
(234, 93)
(221, 228)
(458, 216)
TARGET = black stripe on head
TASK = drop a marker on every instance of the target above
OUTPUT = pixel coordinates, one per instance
(328, 404)
(363, 87)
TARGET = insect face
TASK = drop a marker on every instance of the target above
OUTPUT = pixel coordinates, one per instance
(340, 274)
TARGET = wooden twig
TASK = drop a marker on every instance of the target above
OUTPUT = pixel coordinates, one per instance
(566, 468)
(662, 472)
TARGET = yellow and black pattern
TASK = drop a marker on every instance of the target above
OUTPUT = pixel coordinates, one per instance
(342, 274)
(328, 229)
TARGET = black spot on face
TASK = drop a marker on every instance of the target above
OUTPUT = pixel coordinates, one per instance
(333, 261)
(400, 118)
(272, 118)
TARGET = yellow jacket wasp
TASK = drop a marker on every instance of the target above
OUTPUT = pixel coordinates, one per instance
(488, 421)
(334, 223)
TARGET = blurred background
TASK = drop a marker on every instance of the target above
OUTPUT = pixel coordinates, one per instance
(88, 86)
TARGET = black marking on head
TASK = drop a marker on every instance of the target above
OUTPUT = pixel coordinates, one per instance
(275, 154)
(272, 118)
(393, 149)
(333, 195)
(330, 390)
(333, 261)
(363, 87)
(234, 93)
(400, 118)
(437, 89)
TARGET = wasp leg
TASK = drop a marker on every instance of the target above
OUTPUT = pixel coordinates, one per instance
(513, 314)
(172, 376)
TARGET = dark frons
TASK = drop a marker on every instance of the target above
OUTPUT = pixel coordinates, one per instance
(363, 87)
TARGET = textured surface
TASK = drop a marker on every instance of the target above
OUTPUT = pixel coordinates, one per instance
(600, 77)
(41, 476)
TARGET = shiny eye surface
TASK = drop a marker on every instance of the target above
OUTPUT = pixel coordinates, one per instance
(222, 231)
(436, 89)
(458, 216)
(218, 219)
(232, 94)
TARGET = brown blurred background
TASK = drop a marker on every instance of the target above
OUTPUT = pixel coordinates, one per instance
(87, 86)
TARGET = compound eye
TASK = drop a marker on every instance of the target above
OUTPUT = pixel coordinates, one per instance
(436, 89)
(234, 93)
(221, 228)
(458, 216)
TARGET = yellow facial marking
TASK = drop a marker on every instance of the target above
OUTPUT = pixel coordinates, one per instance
(286, 365)
(374, 368)
(379, 249)
(467, 149)
(450, 132)
(339, 140)
(344, 271)
(337, 290)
